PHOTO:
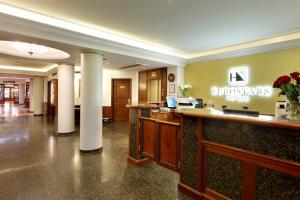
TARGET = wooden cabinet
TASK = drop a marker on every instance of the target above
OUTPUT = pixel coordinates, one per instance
(160, 142)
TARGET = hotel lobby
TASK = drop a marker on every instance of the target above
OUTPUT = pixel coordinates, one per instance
(160, 100)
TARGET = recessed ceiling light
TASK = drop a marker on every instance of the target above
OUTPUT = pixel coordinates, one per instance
(30, 50)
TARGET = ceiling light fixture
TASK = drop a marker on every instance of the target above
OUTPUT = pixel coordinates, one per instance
(30, 48)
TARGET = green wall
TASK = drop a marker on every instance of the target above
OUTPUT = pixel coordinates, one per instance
(263, 69)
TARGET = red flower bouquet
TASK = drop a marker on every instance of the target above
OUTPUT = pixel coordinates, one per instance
(290, 87)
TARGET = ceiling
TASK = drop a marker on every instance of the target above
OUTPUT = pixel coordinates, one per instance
(112, 61)
(190, 26)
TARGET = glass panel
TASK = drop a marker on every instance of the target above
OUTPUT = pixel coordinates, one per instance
(7, 93)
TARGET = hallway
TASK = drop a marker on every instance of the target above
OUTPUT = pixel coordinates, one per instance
(37, 165)
(9, 109)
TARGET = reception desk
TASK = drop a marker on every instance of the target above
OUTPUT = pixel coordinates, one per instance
(154, 136)
(223, 156)
(237, 157)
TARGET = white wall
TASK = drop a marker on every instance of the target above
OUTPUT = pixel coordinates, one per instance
(179, 78)
(108, 75)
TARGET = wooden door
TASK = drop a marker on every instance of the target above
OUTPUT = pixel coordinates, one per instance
(121, 95)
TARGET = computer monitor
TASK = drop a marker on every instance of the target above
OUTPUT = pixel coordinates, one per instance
(171, 101)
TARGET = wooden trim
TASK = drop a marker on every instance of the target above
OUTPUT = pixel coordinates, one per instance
(181, 150)
(280, 165)
(210, 194)
(136, 162)
(112, 93)
(161, 121)
(249, 181)
(187, 190)
(157, 143)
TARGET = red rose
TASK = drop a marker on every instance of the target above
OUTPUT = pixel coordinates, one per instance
(281, 81)
(296, 76)
(285, 79)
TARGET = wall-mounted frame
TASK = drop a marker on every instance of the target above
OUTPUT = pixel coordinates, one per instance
(172, 88)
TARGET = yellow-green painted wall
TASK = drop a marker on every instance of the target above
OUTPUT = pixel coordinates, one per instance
(263, 69)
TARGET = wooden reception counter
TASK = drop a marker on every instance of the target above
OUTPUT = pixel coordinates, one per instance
(154, 136)
(223, 156)
(237, 157)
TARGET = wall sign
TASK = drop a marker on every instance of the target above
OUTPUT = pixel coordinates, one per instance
(238, 91)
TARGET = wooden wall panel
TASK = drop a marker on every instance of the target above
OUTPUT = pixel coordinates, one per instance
(107, 112)
(144, 76)
(164, 82)
(143, 86)
(168, 145)
(148, 138)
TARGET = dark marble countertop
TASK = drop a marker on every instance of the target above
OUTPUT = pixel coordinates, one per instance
(264, 120)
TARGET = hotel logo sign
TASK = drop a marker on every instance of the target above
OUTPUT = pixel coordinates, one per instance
(238, 91)
(238, 76)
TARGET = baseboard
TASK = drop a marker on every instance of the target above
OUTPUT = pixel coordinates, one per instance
(99, 150)
(136, 162)
(38, 115)
(65, 134)
(189, 191)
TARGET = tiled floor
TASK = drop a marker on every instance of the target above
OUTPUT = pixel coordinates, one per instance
(34, 164)
(9, 109)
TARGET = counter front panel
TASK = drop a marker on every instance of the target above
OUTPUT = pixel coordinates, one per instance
(233, 157)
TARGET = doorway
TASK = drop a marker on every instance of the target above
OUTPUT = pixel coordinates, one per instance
(121, 95)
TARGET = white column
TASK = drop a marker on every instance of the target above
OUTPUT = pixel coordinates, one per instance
(21, 93)
(91, 102)
(65, 121)
(38, 95)
(31, 95)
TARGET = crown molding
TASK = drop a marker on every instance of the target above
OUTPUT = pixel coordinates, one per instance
(24, 22)
(43, 31)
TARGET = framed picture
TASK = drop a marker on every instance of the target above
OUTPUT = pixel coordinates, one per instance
(172, 88)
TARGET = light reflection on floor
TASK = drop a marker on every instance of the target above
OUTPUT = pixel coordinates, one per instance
(9, 109)
(36, 164)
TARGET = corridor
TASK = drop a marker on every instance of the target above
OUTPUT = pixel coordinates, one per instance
(9, 109)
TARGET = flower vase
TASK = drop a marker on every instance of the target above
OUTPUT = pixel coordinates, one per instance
(184, 93)
(293, 110)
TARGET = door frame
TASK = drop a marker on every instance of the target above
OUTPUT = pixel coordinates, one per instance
(112, 93)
